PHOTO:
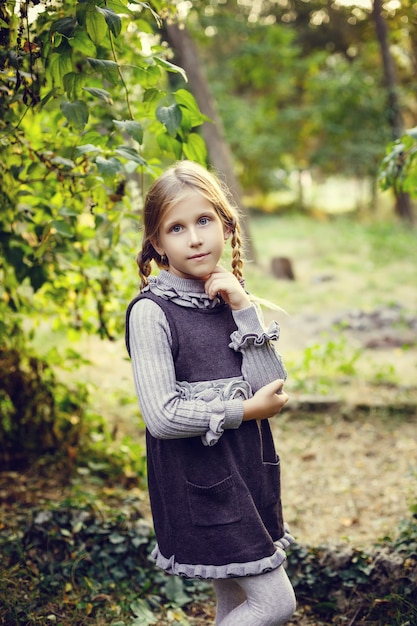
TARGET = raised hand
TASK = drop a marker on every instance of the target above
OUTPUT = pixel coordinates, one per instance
(266, 402)
(224, 283)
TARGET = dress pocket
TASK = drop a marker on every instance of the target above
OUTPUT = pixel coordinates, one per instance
(215, 505)
(271, 487)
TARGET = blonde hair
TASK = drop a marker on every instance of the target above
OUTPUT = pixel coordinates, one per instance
(169, 189)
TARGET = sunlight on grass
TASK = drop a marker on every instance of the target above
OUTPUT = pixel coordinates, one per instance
(338, 264)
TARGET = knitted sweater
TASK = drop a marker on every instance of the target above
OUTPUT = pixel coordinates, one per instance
(213, 479)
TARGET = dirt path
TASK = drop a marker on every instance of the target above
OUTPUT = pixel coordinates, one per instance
(350, 475)
(346, 480)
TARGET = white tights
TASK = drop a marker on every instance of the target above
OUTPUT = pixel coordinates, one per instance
(264, 600)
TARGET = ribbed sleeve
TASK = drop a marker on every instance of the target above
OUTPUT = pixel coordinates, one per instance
(261, 363)
(167, 413)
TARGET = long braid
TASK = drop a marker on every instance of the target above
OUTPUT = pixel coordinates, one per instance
(237, 260)
(143, 260)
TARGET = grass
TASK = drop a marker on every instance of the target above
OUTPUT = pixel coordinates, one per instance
(338, 263)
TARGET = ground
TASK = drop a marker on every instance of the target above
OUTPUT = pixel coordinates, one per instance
(349, 459)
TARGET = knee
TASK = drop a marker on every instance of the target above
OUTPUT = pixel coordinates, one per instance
(281, 612)
(281, 603)
(287, 609)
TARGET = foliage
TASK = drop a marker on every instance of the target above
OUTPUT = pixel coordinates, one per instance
(398, 169)
(301, 85)
(80, 563)
(89, 564)
(38, 414)
(331, 578)
(87, 118)
(80, 117)
(323, 362)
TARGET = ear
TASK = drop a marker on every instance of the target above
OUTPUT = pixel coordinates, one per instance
(157, 247)
(227, 233)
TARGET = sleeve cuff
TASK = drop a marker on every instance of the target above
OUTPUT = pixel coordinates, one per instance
(231, 419)
(250, 330)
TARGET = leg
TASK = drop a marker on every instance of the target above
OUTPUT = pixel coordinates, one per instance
(270, 601)
(229, 595)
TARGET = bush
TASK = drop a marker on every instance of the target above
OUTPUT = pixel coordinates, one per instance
(38, 414)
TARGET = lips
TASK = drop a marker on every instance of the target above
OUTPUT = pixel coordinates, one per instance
(201, 255)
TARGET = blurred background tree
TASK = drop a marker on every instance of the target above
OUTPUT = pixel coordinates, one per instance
(309, 85)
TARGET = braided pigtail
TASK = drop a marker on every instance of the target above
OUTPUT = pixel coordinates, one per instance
(144, 261)
(237, 260)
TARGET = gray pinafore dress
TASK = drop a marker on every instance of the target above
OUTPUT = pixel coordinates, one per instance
(216, 509)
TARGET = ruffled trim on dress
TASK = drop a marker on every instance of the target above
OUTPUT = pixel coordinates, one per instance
(241, 339)
(207, 391)
(231, 570)
(183, 291)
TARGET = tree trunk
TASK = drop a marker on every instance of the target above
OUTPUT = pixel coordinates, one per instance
(403, 207)
(220, 157)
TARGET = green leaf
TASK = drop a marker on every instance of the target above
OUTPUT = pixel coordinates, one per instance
(130, 154)
(66, 164)
(102, 94)
(195, 149)
(113, 21)
(64, 26)
(95, 138)
(119, 6)
(152, 95)
(174, 590)
(109, 69)
(170, 67)
(60, 64)
(67, 212)
(133, 129)
(143, 613)
(108, 167)
(186, 100)
(96, 25)
(82, 42)
(76, 113)
(170, 117)
(170, 144)
(50, 94)
(87, 148)
(116, 538)
(73, 84)
(62, 228)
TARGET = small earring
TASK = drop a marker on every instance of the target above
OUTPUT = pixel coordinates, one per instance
(164, 259)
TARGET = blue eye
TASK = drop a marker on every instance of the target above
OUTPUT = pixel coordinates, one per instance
(204, 220)
(176, 229)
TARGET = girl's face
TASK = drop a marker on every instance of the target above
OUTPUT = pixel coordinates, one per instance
(191, 236)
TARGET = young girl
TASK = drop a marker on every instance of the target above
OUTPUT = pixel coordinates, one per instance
(207, 380)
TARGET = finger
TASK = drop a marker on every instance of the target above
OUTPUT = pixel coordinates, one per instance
(277, 384)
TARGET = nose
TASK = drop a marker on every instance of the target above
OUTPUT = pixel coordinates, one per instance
(194, 238)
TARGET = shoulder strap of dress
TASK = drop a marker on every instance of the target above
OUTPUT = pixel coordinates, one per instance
(141, 296)
(148, 295)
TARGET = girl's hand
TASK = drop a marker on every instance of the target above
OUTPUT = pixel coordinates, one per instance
(267, 401)
(225, 284)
